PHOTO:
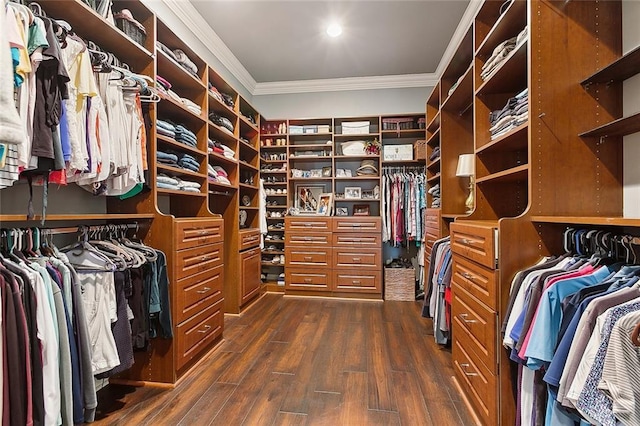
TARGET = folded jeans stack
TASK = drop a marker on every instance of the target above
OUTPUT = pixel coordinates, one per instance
(167, 158)
(435, 194)
(165, 128)
(513, 114)
(189, 162)
(189, 186)
(192, 106)
(167, 182)
(185, 136)
(501, 52)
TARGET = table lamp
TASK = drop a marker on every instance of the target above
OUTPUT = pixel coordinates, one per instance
(466, 168)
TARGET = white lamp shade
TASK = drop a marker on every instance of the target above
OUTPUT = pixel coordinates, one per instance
(466, 165)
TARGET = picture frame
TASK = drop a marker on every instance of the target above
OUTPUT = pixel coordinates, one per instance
(325, 203)
(361, 210)
(352, 193)
(307, 198)
(342, 211)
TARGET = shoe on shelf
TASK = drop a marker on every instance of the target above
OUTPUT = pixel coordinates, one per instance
(282, 259)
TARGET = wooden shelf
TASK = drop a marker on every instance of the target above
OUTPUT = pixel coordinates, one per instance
(620, 127)
(247, 186)
(327, 179)
(245, 145)
(508, 25)
(461, 100)
(279, 206)
(273, 161)
(435, 123)
(310, 135)
(180, 146)
(310, 158)
(511, 74)
(88, 24)
(244, 164)
(579, 220)
(272, 251)
(404, 162)
(217, 158)
(249, 208)
(625, 67)
(514, 174)
(355, 157)
(271, 263)
(173, 72)
(516, 139)
(226, 133)
(434, 139)
(275, 146)
(77, 217)
(358, 178)
(434, 178)
(273, 135)
(434, 163)
(179, 171)
(273, 171)
(220, 107)
(177, 112)
(221, 187)
(163, 191)
(311, 145)
(275, 183)
(452, 216)
(348, 137)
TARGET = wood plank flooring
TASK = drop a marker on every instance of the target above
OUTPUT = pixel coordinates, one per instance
(304, 361)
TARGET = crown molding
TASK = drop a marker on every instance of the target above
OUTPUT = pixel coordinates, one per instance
(346, 84)
(461, 30)
(189, 16)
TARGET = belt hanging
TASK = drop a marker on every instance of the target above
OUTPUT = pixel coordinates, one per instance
(45, 194)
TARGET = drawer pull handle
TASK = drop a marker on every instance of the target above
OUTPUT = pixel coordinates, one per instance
(357, 259)
(202, 232)
(356, 225)
(206, 328)
(355, 282)
(309, 258)
(464, 370)
(204, 290)
(308, 239)
(308, 225)
(464, 319)
(468, 276)
(308, 280)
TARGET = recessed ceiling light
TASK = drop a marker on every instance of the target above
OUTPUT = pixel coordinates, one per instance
(334, 29)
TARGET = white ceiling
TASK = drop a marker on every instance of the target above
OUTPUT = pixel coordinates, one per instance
(279, 42)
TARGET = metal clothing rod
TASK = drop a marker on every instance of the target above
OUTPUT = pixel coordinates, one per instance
(81, 228)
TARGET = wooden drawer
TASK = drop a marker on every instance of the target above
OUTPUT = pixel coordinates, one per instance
(307, 279)
(480, 386)
(357, 281)
(249, 274)
(307, 256)
(477, 280)
(194, 233)
(430, 238)
(353, 239)
(307, 239)
(357, 258)
(477, 242)
(193, 290)
(195, 334)
(249, 239)
(299, 223)
(432, 218)
(198, 259)
(480, 323)
(357, 224)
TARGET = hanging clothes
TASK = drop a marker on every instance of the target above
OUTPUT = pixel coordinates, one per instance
(402, 206)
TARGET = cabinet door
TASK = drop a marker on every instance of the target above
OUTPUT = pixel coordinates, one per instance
(249, 274)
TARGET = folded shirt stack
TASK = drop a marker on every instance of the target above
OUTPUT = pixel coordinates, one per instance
(188, 162)
(189, 186)
(435, 154)
(166, 50)
(221, 121)
(165, 128)
(191, 106)
(228, 152)
(501, 52)
(513, 114)
(217, 174)
(167, 182)
(186, 63)
(435, 194)
(186, 136)
(167, 158)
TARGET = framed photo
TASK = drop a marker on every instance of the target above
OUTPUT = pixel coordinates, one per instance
(324, 204)
(342, 211)
(361, 210)
(352, 193)
(308, 198)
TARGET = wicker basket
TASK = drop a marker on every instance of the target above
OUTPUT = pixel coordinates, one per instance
(400, 284)
(420, 150)
(132, 30)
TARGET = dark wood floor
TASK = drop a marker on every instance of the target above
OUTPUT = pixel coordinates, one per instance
(302, 361)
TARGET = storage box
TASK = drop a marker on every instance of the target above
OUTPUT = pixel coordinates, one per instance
(309, 129)
(397, 152)
(420, 150)
(324, 128)
(296, 130)
(404, 123)
(400, 284)
(355, 127)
